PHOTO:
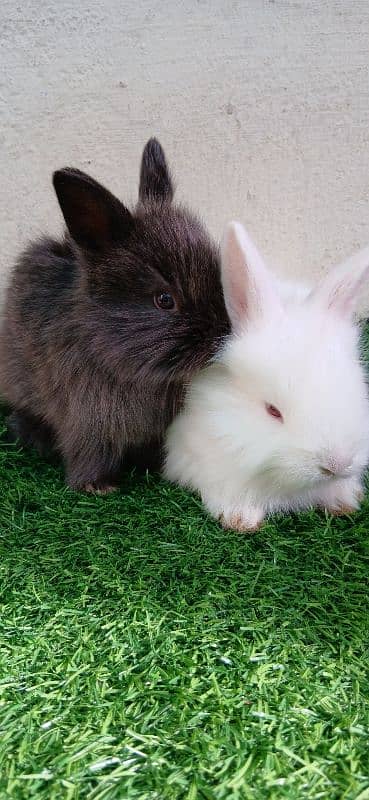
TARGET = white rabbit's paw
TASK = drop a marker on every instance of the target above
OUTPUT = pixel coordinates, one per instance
(242, 519)
(344, 498)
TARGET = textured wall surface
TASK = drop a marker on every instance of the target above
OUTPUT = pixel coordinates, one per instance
(262, 106)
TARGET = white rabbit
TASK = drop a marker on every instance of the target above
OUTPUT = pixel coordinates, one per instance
(280, 419)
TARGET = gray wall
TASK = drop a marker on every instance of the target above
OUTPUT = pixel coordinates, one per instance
(262, 106)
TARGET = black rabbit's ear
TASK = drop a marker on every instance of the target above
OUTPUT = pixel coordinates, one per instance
(96, 219)
(155, 179)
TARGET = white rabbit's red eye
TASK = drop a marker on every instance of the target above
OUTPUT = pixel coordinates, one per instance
(164, 301)
(273, 411)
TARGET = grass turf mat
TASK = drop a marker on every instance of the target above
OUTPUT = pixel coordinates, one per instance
(146, 653)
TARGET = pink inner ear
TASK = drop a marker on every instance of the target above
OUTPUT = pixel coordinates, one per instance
(235, 277)
(249, 288)
(342, 294)
(340, 290)
(240, 290)
(237, 299)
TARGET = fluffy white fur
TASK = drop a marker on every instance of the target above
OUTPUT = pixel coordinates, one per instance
(294, 348)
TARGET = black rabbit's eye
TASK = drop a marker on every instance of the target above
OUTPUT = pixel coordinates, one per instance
(164, 300)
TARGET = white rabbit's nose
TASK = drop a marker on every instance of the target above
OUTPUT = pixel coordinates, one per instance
(336, 467)
(326, 471)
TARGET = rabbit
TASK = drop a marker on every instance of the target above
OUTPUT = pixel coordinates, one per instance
(103, 328)
(279, 420)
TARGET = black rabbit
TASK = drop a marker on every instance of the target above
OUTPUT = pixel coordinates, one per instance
(103, 329)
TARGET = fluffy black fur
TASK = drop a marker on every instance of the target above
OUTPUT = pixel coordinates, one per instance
(88, 361)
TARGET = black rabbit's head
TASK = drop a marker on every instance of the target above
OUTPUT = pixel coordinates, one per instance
(150, 276)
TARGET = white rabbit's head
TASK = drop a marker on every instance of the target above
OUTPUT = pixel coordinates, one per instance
(298, 413)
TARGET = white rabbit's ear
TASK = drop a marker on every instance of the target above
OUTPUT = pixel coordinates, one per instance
(248, 286)
(340, 290)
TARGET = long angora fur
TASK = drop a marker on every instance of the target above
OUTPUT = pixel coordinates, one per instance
(280, 419)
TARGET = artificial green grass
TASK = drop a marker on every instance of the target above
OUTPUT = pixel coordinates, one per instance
(146, 653)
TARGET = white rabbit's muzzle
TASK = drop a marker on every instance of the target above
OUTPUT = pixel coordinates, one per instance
(305, 470)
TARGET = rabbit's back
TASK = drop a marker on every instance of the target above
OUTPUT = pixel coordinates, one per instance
(37, 304)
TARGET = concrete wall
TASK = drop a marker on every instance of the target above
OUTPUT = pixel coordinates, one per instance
(261, 105)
